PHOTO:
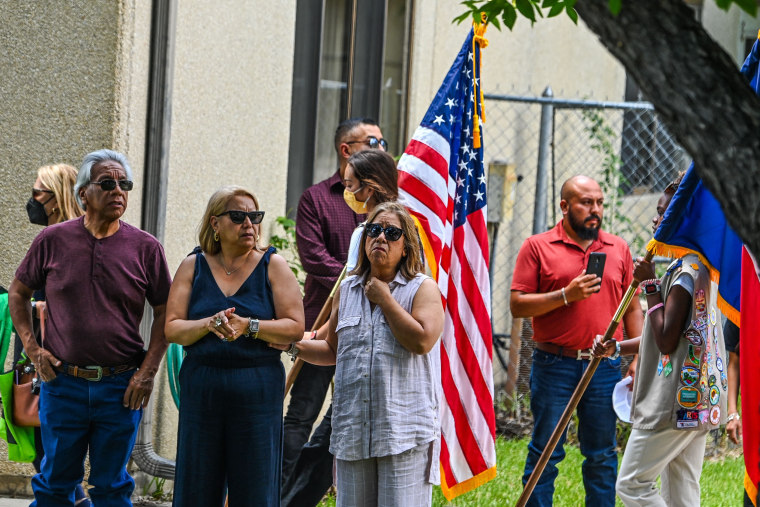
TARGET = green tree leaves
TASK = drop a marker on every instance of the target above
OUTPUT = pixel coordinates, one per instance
(506, 11)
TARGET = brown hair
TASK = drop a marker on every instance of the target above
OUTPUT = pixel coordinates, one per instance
(60, 178)
(376, 169)
(217, 204)
(411, 263)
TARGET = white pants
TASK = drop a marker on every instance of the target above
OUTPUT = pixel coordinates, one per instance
(674, 455)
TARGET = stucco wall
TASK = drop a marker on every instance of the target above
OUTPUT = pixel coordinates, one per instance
(57, 100)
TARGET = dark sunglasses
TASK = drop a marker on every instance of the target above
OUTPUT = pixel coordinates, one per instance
(108, 185)
(391, 233)
(373, 142)
(38, 191)
(238, 217)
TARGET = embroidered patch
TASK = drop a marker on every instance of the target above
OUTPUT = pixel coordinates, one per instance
(714, 395)
(688, 397)
(715, 415)
(699, 302)
(694, 336)
(694, 356)
(689, 376)
(687, 419)
(713, 317)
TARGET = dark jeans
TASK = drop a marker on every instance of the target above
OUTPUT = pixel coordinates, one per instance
(552, 382)
(306, 399)
(77, 415)
(312, 474)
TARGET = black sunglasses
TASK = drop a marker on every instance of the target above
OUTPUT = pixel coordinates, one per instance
(373, 142)
(108, 185)
(38, 191)
(391, 233)
(238, 217)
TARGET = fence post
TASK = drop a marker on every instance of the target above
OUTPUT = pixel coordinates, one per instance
(544, 146)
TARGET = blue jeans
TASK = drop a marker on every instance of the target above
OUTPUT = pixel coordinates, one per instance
(553, 379)
(77, 415)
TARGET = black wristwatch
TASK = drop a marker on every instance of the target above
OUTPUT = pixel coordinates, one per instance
(253, 327)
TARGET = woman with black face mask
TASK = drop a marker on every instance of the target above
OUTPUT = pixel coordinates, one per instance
(52, 201)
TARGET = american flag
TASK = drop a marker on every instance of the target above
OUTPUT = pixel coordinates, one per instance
(443, 184)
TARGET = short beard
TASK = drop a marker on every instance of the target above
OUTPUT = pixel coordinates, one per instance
(584, 232)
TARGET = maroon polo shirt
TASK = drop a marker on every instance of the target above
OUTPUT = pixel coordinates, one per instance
(324, 224)
(95, 290)
(549, 261)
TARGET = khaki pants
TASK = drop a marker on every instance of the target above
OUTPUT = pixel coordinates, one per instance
(674, 455)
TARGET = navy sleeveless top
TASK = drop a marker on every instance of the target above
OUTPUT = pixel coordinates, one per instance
(253, 299)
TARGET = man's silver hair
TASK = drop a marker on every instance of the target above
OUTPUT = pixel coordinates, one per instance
(83, 178)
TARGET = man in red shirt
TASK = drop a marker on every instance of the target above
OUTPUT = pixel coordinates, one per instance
(569, 308)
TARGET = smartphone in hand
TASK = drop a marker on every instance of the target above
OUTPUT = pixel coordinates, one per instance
(595, 265)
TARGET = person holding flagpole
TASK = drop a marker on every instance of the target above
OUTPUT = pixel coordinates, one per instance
(680, 387)
(569, 308)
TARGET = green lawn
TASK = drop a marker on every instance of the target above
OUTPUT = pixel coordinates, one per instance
(721, 481)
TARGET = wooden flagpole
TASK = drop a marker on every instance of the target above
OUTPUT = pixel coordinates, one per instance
(324, 313)
(578, 393)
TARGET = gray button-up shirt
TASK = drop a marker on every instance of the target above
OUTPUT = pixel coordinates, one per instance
(386, 398)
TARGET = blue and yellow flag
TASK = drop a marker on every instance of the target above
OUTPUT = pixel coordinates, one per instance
(694, 223)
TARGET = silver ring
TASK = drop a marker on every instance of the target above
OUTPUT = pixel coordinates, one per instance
(217, 322)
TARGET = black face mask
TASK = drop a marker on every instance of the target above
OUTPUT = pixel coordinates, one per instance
(36, 211)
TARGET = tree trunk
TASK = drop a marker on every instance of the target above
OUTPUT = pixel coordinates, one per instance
(699, 94)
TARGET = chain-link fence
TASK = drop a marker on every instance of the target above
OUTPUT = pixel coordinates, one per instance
(534, 144)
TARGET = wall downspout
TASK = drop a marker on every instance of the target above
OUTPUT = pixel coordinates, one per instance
(156, 175)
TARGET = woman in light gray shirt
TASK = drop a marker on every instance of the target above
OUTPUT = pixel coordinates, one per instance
(383, 337)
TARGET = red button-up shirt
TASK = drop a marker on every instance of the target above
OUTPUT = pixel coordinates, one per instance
(549, 261)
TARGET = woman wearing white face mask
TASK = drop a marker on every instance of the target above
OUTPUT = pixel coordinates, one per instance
(371, 178)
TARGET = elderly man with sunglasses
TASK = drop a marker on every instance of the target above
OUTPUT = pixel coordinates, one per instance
(97, 272)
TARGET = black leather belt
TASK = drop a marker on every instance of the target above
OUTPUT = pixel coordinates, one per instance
(562, 351)
(94, 373)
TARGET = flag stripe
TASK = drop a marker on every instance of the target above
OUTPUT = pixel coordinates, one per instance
(422, 192)
(464, 434)
(468, 357)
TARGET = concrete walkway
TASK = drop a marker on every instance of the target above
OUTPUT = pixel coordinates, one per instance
(24, 502)
(15, 502)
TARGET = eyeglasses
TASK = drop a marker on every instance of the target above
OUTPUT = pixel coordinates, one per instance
(373, 142)
(238, 217)
(391, 233)
(108, 185)
(37, 191)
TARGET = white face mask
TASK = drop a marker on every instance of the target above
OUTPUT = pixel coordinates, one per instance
(359, 207)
